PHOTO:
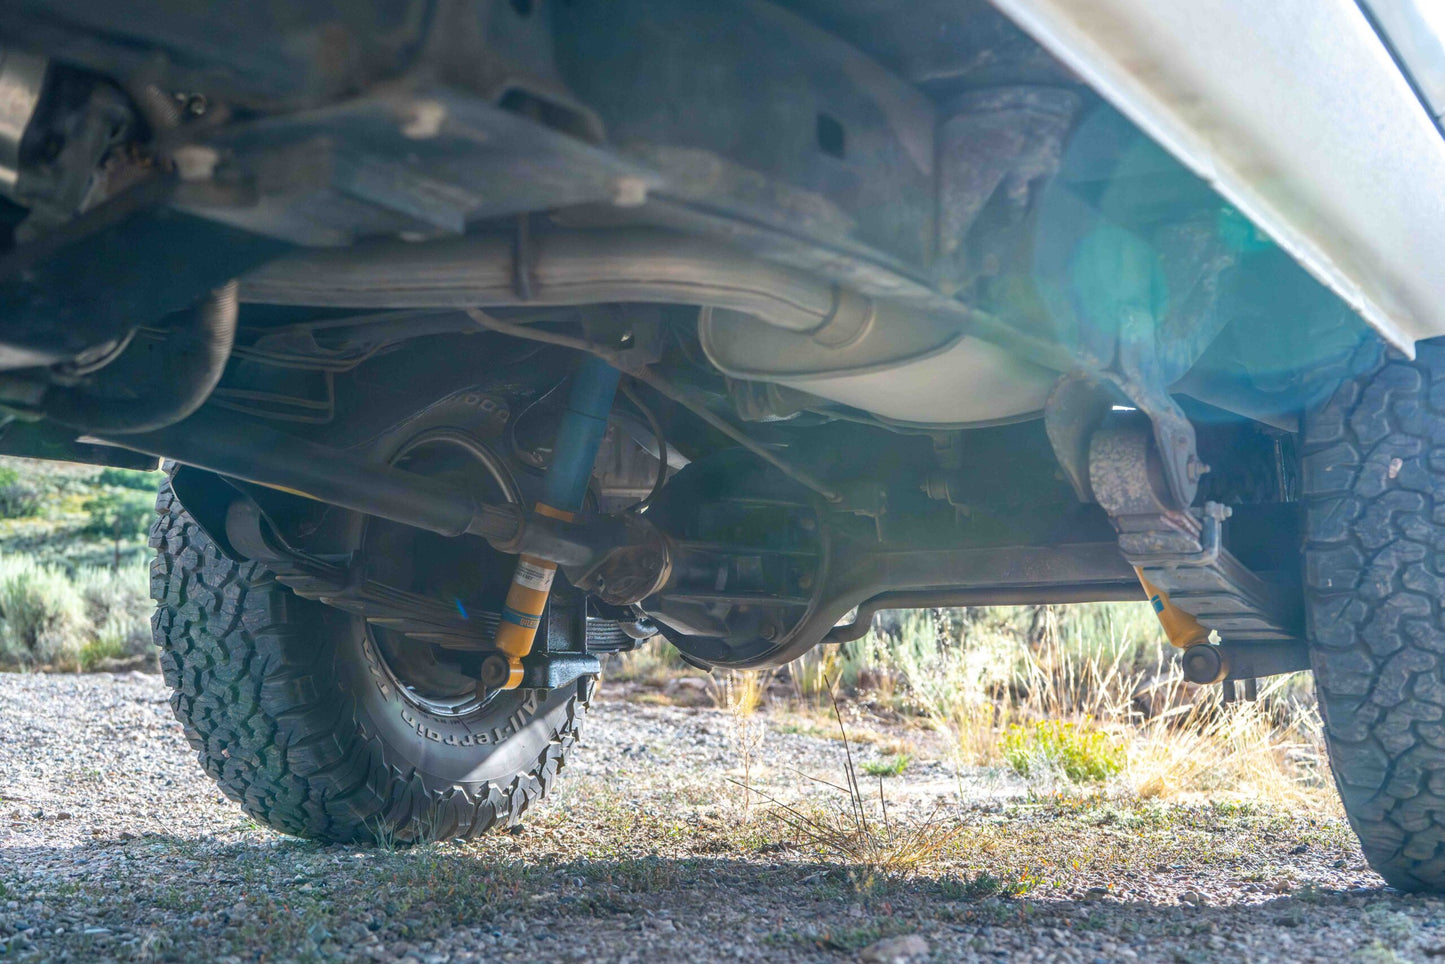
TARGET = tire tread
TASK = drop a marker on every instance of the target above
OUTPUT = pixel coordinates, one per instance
(263, 706)
(1373, 604)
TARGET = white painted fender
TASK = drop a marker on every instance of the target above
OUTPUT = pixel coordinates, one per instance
(1296, 112)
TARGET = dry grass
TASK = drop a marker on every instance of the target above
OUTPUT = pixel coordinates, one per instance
(814, 676)
(741, 693)
(874, 845)
(976, 676)
(976, 680)
(1206, 750)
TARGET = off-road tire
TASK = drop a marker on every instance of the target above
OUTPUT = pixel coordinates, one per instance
(284, 704)
(1373, 480)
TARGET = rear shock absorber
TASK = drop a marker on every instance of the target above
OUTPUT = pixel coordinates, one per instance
(564, 487)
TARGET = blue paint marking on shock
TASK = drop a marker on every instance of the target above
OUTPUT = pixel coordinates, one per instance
(462, 610)
(594, 385)
(525, 620)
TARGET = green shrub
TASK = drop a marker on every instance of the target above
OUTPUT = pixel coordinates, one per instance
(99, 649)
(118, 607)
(1080, 753)
(42, 617)
(128, 479)
(19, 498)
(890, 766)
(984, 884)
(50, 619)
(122, 514)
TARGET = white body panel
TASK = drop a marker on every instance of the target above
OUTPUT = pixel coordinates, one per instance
(1295, 111)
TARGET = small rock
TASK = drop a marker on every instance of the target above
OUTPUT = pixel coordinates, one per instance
(895, 950)
(1096, 893)
(1302, 848)
(1192, 897)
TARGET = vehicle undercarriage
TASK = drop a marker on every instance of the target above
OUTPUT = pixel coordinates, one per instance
(750, 319)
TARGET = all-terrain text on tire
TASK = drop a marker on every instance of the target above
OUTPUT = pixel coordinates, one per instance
(483, 339)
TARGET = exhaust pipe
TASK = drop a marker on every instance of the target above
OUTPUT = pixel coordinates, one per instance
(759, 321)
(566, 268)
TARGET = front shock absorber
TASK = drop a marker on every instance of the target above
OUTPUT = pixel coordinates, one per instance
(594, 385)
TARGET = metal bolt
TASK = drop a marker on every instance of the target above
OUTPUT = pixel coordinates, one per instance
(629, 192)
(1203, 663)
(494, 671)
(423, 120)
(196, 162)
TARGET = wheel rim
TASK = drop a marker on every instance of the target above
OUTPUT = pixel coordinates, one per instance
(463, 570)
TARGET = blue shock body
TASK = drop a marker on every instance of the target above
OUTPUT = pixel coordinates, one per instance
(564, 487)
(594, 385)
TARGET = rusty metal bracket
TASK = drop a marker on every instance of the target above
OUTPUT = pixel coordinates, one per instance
(1207, 663)
(1075, 410)
(1082, 402)
(1181, 552)
(1141, 379)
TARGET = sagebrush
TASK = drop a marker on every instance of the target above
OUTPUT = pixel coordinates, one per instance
(49, 618)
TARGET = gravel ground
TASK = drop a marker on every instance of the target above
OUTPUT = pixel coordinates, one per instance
(113, 845)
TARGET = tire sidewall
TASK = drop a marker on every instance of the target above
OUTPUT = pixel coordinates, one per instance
(501, 739)
(504, 737)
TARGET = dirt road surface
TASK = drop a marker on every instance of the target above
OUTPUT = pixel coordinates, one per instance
(114, 846)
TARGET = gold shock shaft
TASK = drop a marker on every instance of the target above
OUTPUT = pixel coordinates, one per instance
(526, 601)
